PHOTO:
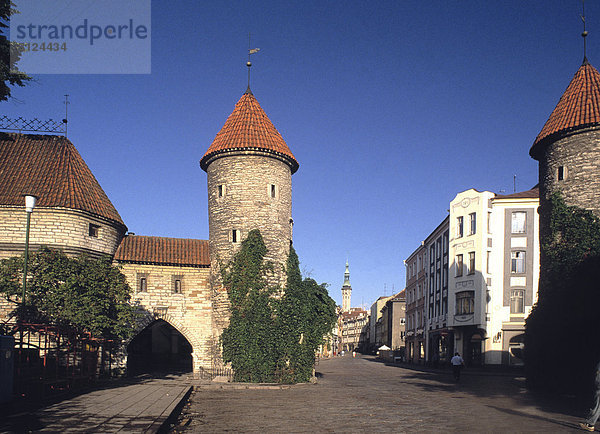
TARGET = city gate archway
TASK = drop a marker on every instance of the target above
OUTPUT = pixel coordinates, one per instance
(159, 348)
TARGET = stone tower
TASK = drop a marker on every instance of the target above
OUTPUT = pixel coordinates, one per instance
(568, 147)
(249, 169)
(346, 290)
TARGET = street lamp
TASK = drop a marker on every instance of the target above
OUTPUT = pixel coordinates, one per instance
(29, 205)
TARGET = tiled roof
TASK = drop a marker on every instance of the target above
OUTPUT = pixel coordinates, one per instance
(534, 193)
(249, 128)
(166, 251)
(50, 168)
(579, 107)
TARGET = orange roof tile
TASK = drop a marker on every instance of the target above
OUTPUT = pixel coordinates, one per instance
(166, 251)
(579, 107)
(50, 168)
(249, 128)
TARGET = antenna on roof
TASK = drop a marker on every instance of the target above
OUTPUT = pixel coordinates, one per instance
(66, 119)
(585, 33)
(249, 64)
(514, 183)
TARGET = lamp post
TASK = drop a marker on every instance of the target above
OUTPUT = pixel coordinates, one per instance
(29, 205)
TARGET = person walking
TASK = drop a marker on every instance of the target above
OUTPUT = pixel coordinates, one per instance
(594, 412)
(457, 364)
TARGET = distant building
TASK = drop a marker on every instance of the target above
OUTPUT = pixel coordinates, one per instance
(375, 336)
(353, 322)
(346, 291)
(393, 319)
(416, 291)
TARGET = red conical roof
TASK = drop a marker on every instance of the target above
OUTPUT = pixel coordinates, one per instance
(579, 107)
(51, 168)
(249, 128)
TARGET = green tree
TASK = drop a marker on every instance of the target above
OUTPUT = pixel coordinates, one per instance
(88, 295)
(9, 51)
(306, 315)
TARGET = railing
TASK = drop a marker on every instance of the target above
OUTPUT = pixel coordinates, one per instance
(50, 359)
(33, 125)
(211, 373)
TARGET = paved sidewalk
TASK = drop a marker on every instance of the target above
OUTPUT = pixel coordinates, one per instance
(134, 405)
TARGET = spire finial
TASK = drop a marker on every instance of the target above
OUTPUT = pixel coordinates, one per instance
(584, 33)
(248, 63)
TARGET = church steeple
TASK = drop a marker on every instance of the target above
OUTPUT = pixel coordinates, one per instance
(346, 290)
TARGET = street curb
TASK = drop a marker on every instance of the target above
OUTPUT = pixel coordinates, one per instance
(163, 422)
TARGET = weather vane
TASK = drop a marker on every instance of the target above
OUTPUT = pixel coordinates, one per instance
(585, 33)
(66, 119)
(250, 51)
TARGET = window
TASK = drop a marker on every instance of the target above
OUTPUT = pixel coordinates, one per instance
(518, 221)
(272, 191)
(560, 173)
(489, 222)
(94, 230)
(472, 223)
(142, 282)
(459, 227)
(220, 190)
(459, 265)
(517, 262)
(176, 284)
(517, 299)
(487, 262)
(471, 269)
(235, 236)
(465, 302)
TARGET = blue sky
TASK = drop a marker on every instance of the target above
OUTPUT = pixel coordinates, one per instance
(391, 109)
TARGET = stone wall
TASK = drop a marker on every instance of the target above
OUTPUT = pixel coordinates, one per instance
(247, 192)
(59, 228)
(579, 156)
(189, 311)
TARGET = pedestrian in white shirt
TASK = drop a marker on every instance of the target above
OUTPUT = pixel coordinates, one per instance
(457, 364)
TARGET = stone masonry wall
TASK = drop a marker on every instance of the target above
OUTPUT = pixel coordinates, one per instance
(244, 202)
(189, 311)
(61, 228)
(579, 154)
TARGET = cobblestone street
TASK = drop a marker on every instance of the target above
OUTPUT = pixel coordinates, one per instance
(362, 394)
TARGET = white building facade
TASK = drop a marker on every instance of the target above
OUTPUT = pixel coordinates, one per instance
(482, 273)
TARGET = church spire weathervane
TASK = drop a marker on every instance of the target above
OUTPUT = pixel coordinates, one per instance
(584, 33)
(249, 64)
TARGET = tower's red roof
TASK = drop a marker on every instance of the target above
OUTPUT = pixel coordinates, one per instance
(249, 128)
(579, 107)
(51, 168)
